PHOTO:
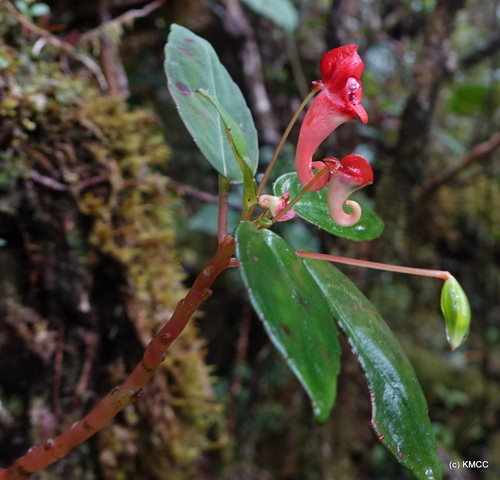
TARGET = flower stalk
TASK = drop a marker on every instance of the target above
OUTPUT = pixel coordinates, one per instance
(283, 139)
(422, 272)
(455, 305)
(306, 189)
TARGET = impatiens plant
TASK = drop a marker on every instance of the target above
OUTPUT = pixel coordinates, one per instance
(301, 298)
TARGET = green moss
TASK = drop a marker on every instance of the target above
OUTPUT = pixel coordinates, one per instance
(86, 173)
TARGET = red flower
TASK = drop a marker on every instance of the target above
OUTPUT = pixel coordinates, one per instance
(350, 174)
(339, 101)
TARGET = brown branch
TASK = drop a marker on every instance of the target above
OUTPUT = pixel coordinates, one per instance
(237, 25)
(121, 19)
(58, 372)
(187, 191)
(38, 458)
(489, 47)
(66, 47)
(91, 341)
(47, 181)
(476, 153)
(82, 185)
(110, 56)
(237, 381)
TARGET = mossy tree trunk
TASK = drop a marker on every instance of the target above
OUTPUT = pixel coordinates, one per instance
(88, 273)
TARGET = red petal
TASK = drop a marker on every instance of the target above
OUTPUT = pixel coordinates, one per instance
(338, 65)
(357, 170)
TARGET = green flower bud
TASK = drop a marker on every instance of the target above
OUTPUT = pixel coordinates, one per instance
(456, 310)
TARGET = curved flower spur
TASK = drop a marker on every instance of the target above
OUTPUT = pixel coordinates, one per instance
(339, 101)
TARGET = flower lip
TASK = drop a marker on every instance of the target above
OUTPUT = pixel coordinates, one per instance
(360, 111)
(355, 169)
(354, 97)
(350, 174)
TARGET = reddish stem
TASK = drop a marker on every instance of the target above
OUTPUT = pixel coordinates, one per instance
(422, 272)
(269, 168)
(131, 389)
(223, 206)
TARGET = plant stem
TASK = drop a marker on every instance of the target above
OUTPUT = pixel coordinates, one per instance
(422, 272)
(269, 168)
(131, 389)
(222, 210)
(187, 191)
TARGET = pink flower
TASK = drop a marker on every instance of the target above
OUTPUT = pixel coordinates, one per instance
(338, 102)
(350, 174)
(277, 205)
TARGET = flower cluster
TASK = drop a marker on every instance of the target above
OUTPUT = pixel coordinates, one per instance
(339, 101)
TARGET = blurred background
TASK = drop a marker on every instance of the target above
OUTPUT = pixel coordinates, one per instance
(107, 214)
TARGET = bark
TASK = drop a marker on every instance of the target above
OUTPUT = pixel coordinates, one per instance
(88, 274)
(238, 26)
(409, 163)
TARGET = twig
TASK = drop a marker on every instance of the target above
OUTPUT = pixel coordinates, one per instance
(110, 56)
(174, 187)
(489, 47)
(186, 190)
(296, 65)
(238, 26)
(476, 153)
(282, 141)
(47, 181)
(121, 19)
(66, 47)
(91, 341)
(237, 381)
(58, 372)
(37, 458)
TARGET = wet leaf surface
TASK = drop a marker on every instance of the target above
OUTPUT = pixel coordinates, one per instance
(294, 311)
(399, 408)
(313, 207)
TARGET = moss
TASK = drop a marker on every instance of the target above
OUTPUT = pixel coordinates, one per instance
(82, 193)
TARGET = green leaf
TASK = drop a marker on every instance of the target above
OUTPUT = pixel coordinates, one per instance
(456, 310)
(191, 64)
(240, 150)
(313, 207)
(295, 314)
(468, 99)
(399, 408)
(280, 12)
